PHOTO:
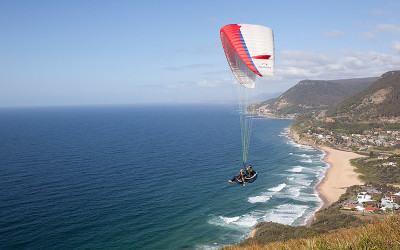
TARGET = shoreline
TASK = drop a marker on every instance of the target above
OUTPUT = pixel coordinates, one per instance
(339, 176)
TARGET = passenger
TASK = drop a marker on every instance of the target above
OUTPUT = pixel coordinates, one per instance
(240, 176)
(250, 171)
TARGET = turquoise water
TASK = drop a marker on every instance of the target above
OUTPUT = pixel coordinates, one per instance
(146, 177)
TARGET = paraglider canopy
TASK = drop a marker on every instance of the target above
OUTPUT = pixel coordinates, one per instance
(249, 50)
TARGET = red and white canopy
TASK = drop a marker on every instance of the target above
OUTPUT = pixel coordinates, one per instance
(249, 50)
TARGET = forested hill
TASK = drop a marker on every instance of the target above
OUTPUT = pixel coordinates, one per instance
(313, 95)
(378, 102)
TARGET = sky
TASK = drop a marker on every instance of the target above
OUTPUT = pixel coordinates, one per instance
(158, 52)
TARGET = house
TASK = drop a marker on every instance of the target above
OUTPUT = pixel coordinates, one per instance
(390, 205)
(363, 197)
(390, 198)
(350, 207)
(372, 209)
(389, 202)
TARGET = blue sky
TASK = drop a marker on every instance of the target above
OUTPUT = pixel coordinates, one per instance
(128, 52)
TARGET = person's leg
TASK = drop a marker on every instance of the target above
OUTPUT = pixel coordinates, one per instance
(232, 180)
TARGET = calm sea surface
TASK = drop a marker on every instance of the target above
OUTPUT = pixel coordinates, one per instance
(146, 177)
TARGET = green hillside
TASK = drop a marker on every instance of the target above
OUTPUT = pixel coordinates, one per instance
(381, 234)
(313, 95)
(378, 102)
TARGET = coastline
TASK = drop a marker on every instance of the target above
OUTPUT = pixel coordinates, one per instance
(339, 176)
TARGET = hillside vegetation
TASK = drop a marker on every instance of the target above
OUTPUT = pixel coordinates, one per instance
(378, 102)
(378, 235)
(357, 114)
(374, 170)
(325, 220)
(313, 95)
(376, 107)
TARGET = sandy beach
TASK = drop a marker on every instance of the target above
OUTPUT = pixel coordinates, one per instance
(339, 176)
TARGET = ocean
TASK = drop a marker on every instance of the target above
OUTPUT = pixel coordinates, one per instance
(146, 177)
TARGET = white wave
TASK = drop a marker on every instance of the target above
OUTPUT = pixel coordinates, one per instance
(296, 169)
(243, 221)
(278, 188)
(264, 197)
(260, 198)
(222, 220)
(229, 219)
(301, 146)
(303, 182)
(306, 161)
(319, 171)
(308, 197)
(306, 177)
(306, 147)
(290, 178)
(205, 247)
(285, 214)
(293, 192)
(247, 220)
(304, 155)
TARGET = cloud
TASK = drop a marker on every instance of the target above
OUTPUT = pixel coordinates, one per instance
(188, 66)
(370, 34)
(294, 66)
(391, 28)
(311, 57)
(209, 84)
(396, 46)
(334, 33)
(376, 12)
(373, 32)
(337, 64)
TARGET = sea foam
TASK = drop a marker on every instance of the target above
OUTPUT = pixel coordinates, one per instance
(264, 197)
(244, 221)
(278, 188)
(229, 219)
(260, 198)
(285, 213)
(296, 169)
